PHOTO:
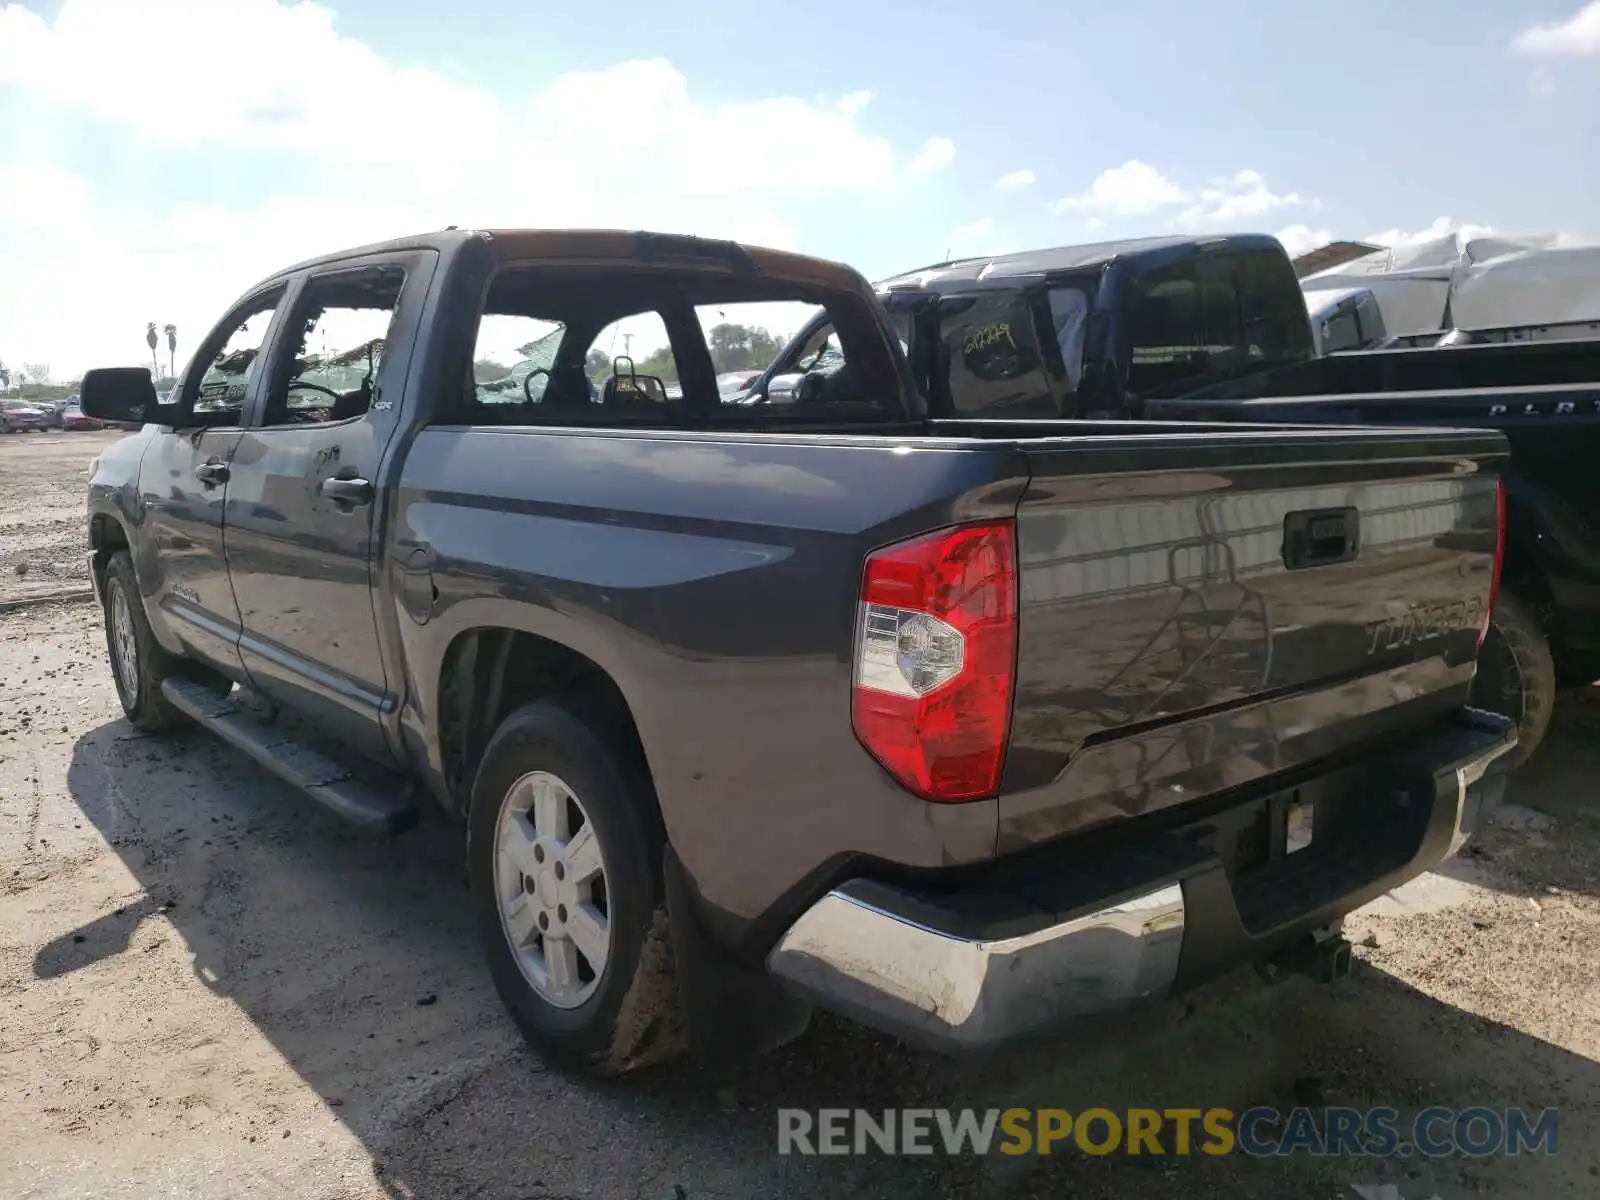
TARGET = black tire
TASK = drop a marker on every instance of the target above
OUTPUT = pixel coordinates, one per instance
(145, 706)
(631, 1018)
(1516, 675)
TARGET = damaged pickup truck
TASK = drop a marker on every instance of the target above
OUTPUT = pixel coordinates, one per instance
(962, 729)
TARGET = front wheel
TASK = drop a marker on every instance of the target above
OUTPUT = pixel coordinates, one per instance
(564, 862)
(1516, 674)
(138, 663)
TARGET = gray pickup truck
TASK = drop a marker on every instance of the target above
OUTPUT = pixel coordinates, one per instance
(962, 731)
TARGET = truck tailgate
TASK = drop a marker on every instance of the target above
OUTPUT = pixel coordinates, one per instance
(1202, 611)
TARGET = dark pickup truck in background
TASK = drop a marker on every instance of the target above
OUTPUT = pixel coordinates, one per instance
(1187, 328)
(963, 729)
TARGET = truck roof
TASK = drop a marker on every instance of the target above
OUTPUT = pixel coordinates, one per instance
(511, 245)
(1149, 252)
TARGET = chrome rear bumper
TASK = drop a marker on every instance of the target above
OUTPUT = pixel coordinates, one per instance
(913, 966)
(872, 964)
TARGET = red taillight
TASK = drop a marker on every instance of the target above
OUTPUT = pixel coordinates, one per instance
(936, 653)
(1499, 557)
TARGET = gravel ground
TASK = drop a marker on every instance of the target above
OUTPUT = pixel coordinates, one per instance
(42, 538)
(212, 989)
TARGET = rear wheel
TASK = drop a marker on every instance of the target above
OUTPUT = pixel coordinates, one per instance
(564, 861)
(1516, 675)
(138, 663)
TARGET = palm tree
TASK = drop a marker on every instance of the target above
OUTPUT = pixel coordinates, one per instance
(172, 349)
(150, 340)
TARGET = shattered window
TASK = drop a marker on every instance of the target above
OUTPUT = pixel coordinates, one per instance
(513, 357)
(348, 348)
(341, 325)
(223, 387)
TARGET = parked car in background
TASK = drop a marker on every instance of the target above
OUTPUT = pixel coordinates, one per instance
(56, 407)
(1469, 283)
(75, 418)
(731, 384)
(18, 416)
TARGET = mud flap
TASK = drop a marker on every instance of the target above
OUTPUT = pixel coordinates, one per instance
(731, 1011)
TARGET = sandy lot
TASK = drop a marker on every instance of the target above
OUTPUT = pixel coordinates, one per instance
(42, 537)
(210, 988)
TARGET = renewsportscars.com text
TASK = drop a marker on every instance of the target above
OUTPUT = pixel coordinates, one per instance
(1477, 1132)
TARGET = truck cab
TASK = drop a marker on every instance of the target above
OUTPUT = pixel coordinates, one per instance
(1083, 331)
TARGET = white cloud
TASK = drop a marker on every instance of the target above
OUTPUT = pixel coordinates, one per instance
(1230, 201)
(1012, 181)
(936, 154)
(366, 149)
(1137, 189)
(1399, 239)
(1466, 231)
(39, 196)
(342, 100)
(1126, 191)
(1577, 36)
(1297, 239)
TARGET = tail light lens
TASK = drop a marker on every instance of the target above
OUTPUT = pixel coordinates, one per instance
(1499, 557)
(935, 659)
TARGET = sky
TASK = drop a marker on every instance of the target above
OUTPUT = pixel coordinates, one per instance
(157, 157)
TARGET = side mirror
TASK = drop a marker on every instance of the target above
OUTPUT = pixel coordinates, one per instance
(781, 388)
(124, 395)
(809, 389)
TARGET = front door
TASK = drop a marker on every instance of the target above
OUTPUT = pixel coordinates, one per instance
(183, 484)
(302, 500)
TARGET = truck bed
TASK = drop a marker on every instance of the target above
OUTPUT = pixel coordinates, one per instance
(1492, 385)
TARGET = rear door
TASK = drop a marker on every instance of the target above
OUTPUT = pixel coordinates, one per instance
(183, 482)
(303, 499)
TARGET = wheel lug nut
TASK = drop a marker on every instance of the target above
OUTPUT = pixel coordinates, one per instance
(544, 921)
(538, 854)
(561, 912)
(561, 872)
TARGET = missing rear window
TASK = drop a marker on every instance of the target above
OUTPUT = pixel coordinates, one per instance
(651, 348)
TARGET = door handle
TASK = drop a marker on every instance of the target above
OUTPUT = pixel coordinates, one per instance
(348, 491)
(212, 473)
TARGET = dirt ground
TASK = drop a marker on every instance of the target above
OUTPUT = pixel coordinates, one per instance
(210, 988)
(42, 535)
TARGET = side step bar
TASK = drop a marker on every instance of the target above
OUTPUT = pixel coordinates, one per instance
(320, 777)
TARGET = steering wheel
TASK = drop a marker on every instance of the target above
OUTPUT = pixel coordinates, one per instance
(527, 390)
(297, 384)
